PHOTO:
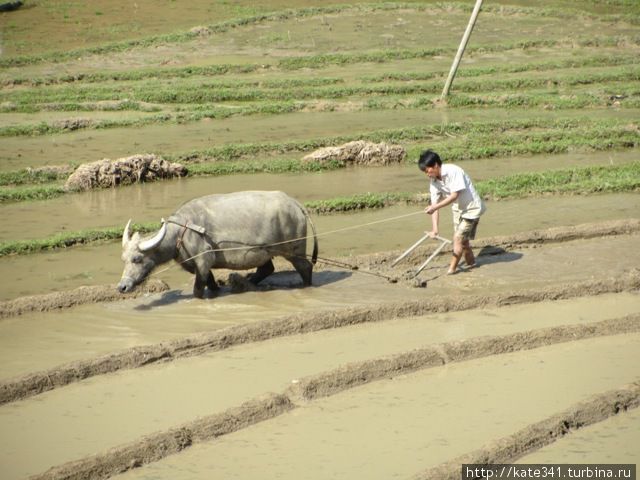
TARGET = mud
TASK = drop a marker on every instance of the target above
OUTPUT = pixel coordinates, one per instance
(545, 432)
(39, 382)
(154, 447)
(381, 263)
(615, 440)
(378, 264)
(78, 296)
(350, 376)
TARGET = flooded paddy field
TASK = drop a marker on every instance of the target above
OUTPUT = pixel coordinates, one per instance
(373, 371)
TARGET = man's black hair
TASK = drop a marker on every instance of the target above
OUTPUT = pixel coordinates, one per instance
(428, 158)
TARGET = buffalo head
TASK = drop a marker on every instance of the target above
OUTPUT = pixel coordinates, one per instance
(140, 257)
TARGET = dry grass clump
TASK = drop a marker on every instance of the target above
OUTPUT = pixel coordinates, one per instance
(359, 152)
(111, 173)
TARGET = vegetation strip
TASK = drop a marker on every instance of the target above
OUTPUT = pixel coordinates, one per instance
(533, 437)
(454, 141)
(157, 446)
(69, 239)
(39, 382)
(209, 93)
(628, 94)
(534, 134)
(217, 70)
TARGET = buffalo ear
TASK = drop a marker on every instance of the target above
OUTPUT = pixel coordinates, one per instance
(126, 237)
(154, 241)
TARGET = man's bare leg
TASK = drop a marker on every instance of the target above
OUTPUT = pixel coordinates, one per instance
(469, 258)
(457, 254)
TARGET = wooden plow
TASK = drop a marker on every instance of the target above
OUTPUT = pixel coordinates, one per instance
(444, 243)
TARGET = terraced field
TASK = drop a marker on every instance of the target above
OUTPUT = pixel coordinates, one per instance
(373, 372)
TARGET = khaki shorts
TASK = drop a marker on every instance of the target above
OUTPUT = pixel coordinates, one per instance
(463, 227)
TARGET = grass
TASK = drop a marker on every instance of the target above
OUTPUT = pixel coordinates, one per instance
(585, 180)
(69, 239)
(629, 13)
(456, 141)
(21, 194)
(209, 92)
(588, 180)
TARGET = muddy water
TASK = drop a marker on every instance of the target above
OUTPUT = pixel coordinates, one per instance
(79, 418)
(92, 145)
(396, 428)
(111, 207)
(615, 440)
(101, 264)
(340, 235)
(39, 341)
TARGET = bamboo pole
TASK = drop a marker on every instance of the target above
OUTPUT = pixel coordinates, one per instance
(461, 48)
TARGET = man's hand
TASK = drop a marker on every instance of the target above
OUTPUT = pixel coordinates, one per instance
(430, 209)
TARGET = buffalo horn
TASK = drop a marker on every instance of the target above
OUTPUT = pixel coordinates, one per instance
(125, 235)
(154, 241)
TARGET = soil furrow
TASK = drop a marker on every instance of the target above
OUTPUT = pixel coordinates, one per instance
(359, 373)
(38, 382)
(157, 446)
(537, 435)
(152, 448)
(78, 296)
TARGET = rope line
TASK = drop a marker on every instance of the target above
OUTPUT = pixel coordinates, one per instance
(331, 232)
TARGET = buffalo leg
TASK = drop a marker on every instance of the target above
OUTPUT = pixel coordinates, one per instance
(304, 267)
(262, 272)
(198, 287)
(212, 285)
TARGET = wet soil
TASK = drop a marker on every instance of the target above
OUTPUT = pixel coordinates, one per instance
(369, 373)
(365, 232)
(399, 426)
(616, 440)
(81, 414)
(505, 263)
(497, 285)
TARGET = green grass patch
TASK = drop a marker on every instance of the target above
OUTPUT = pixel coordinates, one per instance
(587, 180)
(21, 194)
(69, 239)
(360, 201)
(202, 93)
(30, 176)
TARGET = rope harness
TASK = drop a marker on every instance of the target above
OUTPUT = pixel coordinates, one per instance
(202, 231)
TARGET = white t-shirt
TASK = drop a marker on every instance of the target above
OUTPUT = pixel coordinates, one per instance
(454, 179)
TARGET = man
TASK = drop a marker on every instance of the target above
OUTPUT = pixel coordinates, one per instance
(450, 185)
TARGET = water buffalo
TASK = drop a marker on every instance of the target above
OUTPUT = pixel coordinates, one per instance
(237, 231)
